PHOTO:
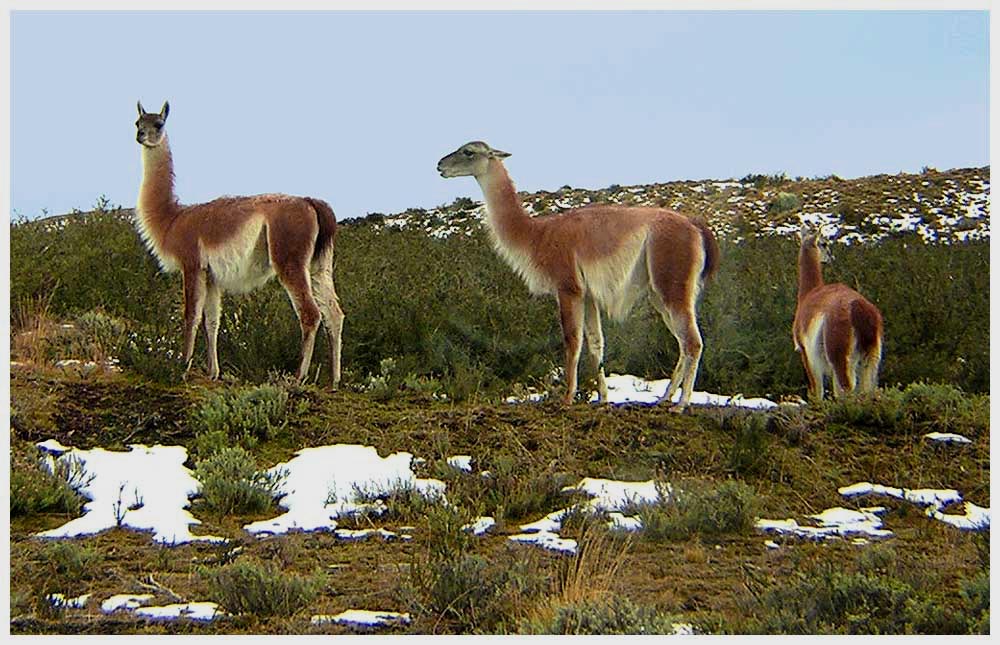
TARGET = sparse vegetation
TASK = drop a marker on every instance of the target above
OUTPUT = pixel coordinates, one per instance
(449, 581)
(261, 589)
(699, 508)
(34, 489)
(607, 615)
(231, 482)
(245, 415)
(868, 599)
(429, 353)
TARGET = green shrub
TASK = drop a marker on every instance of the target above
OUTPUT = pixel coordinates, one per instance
(232, 484)
(513, 490)
(749, 454)
(975, 593)
(68, 562)
(784, 202)
(448, 580)
(105, 333)
(701, 508)
(404, 503)
(245, 415)
(917, 407)
(261, 589)
(868, 598)
(448, 311)
(607, 615)
(33, 489)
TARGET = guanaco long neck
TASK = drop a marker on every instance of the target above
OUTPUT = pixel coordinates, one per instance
(505, 215)
(810, 271)
(157, 205)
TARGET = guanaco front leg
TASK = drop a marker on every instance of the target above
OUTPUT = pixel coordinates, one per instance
(213, 313)
(571, 320)
(194, 303)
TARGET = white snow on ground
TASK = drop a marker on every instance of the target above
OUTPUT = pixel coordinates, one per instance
(547, 540)
(605, 495)
(327, 482)
(935, 500)
(61, 601)
(144, 488)
(362, 617)
(832, 523)
(461, 462)
(194, 610)
(625, 388)
(364, 534)
(611, 495)
(125, 601)
(479, 525)
(976, 517)
(922, 496)
(947, 437)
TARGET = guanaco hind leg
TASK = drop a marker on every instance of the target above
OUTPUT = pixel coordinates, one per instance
(571, 321)
(594, 335)
(333, 317)
(299, 289)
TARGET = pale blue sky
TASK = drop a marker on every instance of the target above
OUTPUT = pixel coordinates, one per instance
(356, 108)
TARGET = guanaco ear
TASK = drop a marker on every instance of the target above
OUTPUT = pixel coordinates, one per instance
(165, 110)
(139, 105)
(498, 154)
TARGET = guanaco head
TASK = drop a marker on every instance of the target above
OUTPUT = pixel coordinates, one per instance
(149, 126)
(471, 159)
(813, 241)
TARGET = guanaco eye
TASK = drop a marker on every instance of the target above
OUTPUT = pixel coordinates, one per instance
(467, 153)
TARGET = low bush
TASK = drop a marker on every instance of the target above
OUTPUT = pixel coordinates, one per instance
(917, 407)
(451, 304)
(33, 489)
(232, 484)
(261, 589)
(784, 202)
(866, 597)
(602, 616)
(699, 508)
(244, 415)
(68, 562)
(448, 581)
(513, 490)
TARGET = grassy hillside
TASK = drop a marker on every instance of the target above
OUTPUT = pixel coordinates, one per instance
(424, 288)
(438, 331)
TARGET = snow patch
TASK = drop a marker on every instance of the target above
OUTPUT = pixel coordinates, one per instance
(609, 495)
(480, 525)
(364, 534)
(125, 601)
(833, 522)
(204, 611)
(144, 489)
(461, 462)
(935, 500)
(61, 601)
(547, 540)
(362, 617)
(625, 388)
(328, 482)
(947, 437)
